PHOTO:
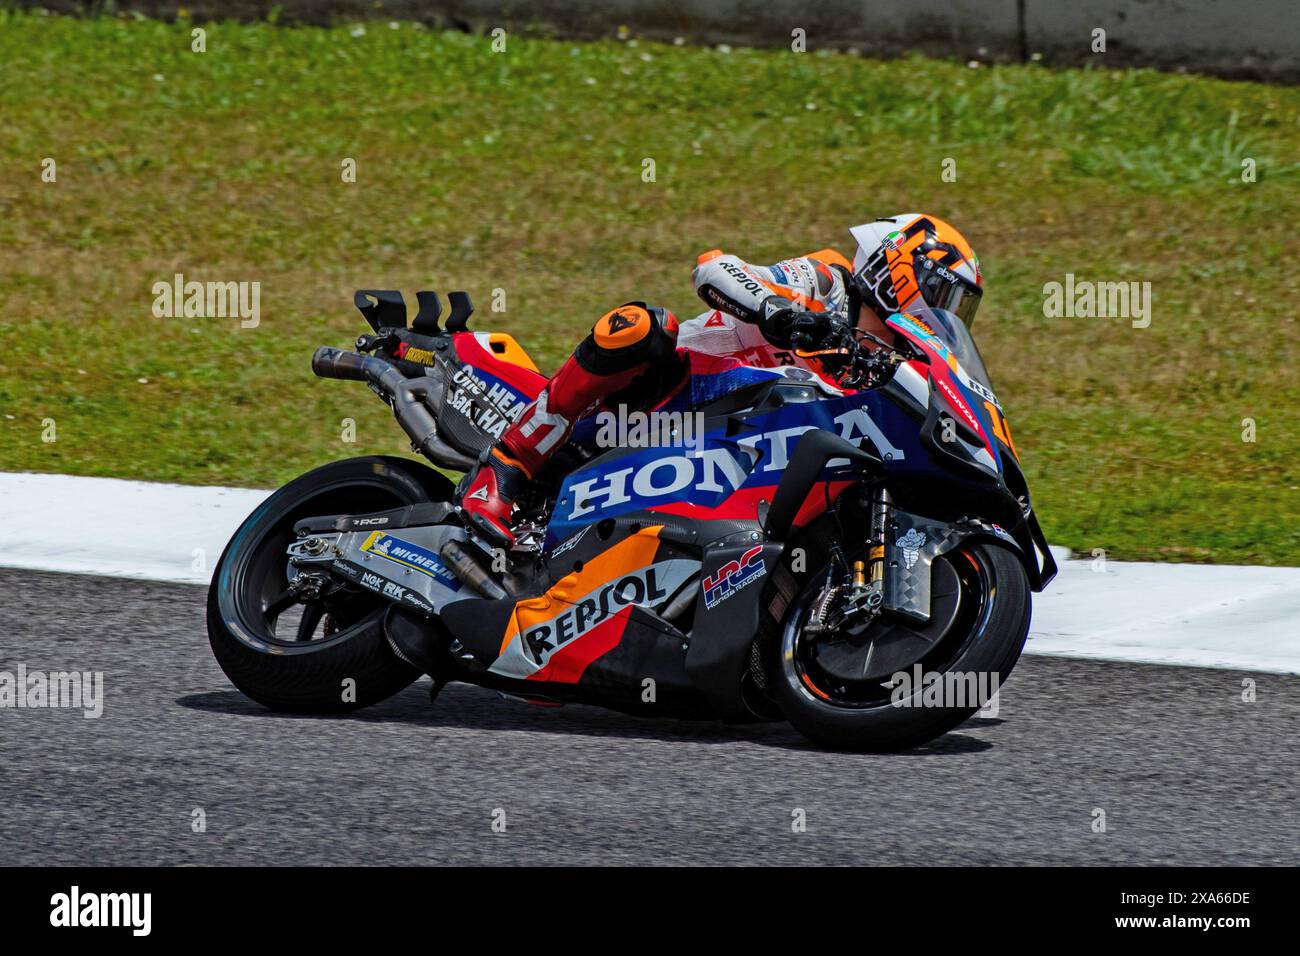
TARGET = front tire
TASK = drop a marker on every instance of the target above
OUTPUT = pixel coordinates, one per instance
(989, 617)
(301, 657)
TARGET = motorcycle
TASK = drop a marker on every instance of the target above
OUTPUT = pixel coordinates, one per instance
(845, 520)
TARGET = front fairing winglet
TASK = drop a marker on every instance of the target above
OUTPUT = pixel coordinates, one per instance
(915, 541)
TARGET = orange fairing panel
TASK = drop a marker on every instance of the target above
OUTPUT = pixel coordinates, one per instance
(631, 554)
(570, 625)
(507, 349)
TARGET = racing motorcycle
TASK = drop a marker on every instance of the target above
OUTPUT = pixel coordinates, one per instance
(846, 519)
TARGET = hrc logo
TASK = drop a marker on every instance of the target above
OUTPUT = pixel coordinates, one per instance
(733, 576)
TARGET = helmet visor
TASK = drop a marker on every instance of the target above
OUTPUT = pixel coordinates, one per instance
(941, 288)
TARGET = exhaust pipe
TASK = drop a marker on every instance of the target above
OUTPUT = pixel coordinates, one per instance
(467, 568)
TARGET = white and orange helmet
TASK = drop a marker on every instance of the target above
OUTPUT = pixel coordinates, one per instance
(904, 257)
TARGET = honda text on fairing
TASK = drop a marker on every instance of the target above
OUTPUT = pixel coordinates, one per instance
(841, 520)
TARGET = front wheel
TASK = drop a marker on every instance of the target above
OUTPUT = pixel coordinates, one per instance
(840, 691)
(323, 653)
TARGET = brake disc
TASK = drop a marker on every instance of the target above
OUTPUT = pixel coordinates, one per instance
(888, 645)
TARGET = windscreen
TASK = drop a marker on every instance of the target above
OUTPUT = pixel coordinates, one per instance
(953, 333)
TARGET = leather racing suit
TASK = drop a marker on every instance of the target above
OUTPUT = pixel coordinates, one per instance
(630, 357)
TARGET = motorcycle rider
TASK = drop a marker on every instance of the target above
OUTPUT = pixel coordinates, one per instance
(631, 357)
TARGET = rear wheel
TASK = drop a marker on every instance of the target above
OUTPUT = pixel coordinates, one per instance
(285, 647)
(838, 690)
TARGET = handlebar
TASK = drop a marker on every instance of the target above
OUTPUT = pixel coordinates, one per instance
(850, 362)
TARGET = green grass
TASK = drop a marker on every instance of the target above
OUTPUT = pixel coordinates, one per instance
(522, 171)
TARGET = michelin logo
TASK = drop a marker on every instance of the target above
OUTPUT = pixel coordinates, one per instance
(911, 544)
(410, 556)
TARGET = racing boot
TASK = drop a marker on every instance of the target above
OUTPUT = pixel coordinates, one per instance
(490, 492)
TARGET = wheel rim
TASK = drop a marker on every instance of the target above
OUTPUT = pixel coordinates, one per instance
(804, 666)
(256, 602)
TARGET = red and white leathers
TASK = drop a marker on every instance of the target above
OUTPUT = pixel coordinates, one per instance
(631, 356)
(814, 283)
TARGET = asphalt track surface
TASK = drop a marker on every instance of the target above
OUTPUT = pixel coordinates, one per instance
(1186, 772)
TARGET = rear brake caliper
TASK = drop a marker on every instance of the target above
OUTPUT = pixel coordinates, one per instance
(308, 586)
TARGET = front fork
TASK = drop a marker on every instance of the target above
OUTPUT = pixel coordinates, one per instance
(880, 509)
(855, 592)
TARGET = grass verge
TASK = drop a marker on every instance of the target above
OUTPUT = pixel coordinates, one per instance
(523, 171)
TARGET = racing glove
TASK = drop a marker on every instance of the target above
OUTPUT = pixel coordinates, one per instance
(788, 327)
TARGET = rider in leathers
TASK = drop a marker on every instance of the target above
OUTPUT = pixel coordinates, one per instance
(630, 357)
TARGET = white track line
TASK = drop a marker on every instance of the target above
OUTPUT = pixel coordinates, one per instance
(125, 529)
(1245, 618)
(1196, 614)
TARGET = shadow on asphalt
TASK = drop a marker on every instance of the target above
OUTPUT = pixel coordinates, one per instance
(475, 708)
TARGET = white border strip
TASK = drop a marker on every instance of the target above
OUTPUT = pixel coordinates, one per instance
(1200, 615)
(1245, 618)
(125, 529)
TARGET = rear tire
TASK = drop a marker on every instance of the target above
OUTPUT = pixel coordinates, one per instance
(990, 644)
(307, 674)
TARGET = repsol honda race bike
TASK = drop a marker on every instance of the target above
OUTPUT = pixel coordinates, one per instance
(844, 519)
